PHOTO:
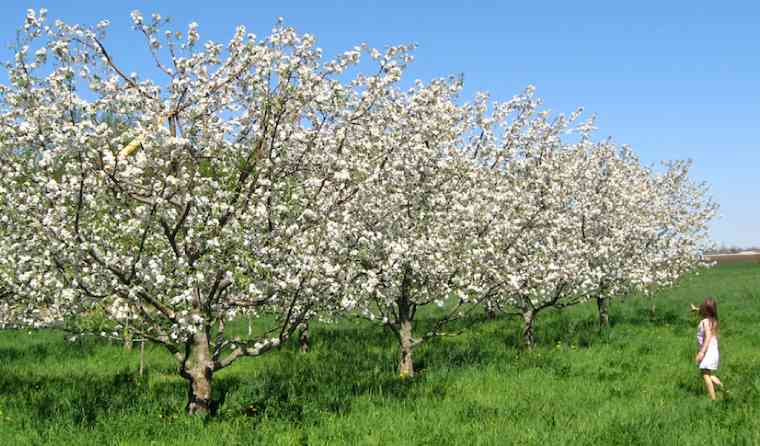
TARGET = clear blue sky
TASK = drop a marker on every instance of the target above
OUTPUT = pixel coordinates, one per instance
(672, 79)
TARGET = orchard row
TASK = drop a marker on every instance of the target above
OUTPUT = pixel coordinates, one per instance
(256, 178)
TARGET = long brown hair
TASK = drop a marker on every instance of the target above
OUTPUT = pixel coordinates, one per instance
(709, 310)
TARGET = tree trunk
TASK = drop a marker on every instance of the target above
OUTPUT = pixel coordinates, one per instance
(528, 317)
(303, 337)
(602, 303)
(142, 357)
(406, 311)
(405, 314)
(406, 366)
(198, 371)
(127, 339)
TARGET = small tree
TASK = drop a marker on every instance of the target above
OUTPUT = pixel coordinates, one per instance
(620, 191)
(530, 251)
(406, 241)
(547, 263)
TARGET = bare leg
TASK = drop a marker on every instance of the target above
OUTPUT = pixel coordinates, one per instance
(707, 375)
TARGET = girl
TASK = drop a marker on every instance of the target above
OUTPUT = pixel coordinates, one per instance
(707, 337)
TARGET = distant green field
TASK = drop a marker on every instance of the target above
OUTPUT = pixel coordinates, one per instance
(635, 384)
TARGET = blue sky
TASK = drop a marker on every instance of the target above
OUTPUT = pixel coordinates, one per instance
(672, 79)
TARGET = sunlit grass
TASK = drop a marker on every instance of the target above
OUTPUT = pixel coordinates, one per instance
(635, 384)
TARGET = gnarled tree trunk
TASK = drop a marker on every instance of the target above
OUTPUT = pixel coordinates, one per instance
(406, 365)
(602, 303)
(198, 370)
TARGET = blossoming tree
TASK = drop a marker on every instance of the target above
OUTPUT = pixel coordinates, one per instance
(600, 225)
(426, 221)
(403, 235)
(646, 229)
(176, 205)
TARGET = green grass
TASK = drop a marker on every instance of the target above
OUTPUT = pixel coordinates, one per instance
(635, 384)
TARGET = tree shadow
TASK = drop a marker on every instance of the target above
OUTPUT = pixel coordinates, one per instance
(10, 354)
(346, 362)
(343, 364)
(81, 398)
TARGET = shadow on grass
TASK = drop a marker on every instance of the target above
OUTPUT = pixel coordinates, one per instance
(346, 362)
(294, 387)
(83, 398)
(343, 364)
(10, 354)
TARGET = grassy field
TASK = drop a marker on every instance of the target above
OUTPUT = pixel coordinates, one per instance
(635, 384)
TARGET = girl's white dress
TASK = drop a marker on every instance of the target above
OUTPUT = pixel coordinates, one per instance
(712, 356)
